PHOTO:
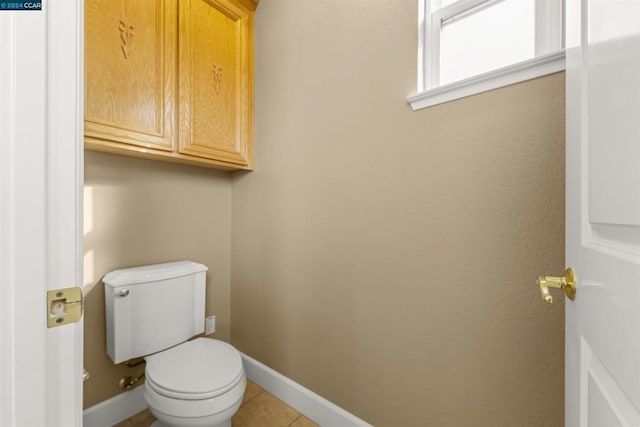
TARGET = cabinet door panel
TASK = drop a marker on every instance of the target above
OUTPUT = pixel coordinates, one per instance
(215, 80)
(130, 72)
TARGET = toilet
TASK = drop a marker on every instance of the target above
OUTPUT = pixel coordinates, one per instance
(153, 312)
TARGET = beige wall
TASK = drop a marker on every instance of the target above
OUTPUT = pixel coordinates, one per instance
(384, 258)
(142, 212)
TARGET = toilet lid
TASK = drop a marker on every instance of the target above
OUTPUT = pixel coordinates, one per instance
(198, 369)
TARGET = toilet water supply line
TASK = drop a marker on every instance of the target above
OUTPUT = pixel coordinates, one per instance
(128, 382)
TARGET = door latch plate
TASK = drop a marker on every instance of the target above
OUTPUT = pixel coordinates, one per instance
(64, 306)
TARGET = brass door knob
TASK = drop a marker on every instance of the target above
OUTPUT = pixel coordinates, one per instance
(567, 283)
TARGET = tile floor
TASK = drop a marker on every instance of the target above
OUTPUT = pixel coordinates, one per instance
(259, 409)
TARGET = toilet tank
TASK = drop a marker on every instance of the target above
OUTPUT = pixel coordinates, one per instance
(153, 307)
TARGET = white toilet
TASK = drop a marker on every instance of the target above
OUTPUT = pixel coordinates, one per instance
(151, 312)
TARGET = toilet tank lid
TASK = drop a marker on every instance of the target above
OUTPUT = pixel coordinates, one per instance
(152, 273)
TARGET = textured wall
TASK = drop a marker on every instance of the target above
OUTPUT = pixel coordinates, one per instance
(384, 258)
(141, 212)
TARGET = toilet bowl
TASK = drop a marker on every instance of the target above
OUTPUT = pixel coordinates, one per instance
(198, 383)
(154, 312)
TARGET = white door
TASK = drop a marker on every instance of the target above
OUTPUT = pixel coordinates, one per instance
(40, 212)
(602, 365)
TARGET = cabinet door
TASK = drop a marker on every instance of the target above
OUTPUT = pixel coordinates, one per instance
(215, 75)
(130, 59)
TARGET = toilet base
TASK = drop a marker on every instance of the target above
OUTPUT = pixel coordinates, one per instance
(221, 419)
(217, 419)
(158, 423)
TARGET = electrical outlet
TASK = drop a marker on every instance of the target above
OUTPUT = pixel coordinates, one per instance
(210, 325)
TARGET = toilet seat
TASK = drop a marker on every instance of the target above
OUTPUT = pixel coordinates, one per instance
(195, 370)
(206, 412)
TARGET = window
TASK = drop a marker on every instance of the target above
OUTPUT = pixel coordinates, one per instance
(470, 46)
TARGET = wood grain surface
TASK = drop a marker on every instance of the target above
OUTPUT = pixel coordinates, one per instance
(130, 71)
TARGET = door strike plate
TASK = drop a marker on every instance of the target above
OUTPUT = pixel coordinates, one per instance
(64, 306)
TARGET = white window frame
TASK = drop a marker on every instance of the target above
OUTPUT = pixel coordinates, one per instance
(549, 51)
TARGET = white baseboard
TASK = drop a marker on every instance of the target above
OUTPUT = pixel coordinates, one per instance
(114, 410)
(313, 406)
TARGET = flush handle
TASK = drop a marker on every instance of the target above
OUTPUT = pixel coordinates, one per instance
(567, 283)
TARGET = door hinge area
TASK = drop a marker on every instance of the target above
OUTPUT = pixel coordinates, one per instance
(64, 306)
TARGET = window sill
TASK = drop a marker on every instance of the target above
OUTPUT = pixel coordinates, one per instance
(516, 73)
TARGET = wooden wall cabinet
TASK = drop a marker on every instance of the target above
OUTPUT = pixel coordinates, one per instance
(171, 80)
(130, 73)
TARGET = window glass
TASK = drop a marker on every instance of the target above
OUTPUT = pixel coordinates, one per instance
(486, 38)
